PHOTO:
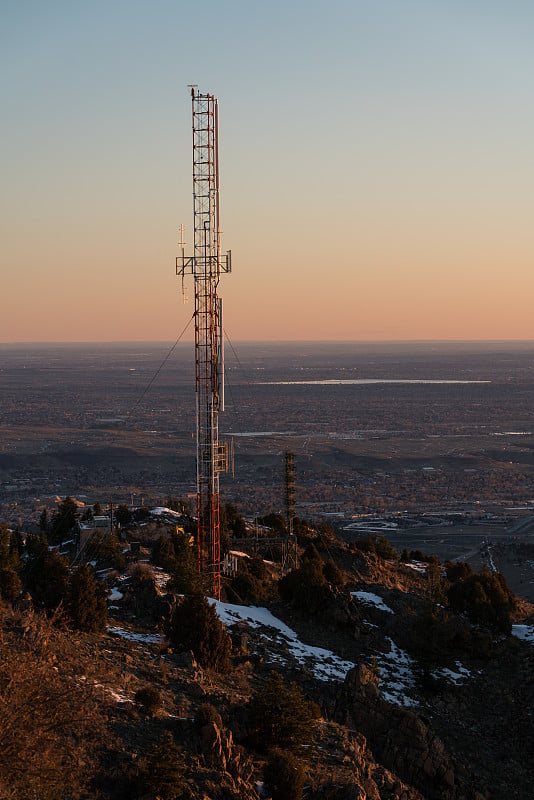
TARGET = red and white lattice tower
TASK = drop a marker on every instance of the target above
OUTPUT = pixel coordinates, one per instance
(206, 265)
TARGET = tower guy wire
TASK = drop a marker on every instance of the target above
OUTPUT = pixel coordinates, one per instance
(155, 375)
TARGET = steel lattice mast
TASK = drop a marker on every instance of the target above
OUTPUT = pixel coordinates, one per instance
(206, 265)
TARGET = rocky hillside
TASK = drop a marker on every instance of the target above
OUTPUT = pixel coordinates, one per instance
(390, 685)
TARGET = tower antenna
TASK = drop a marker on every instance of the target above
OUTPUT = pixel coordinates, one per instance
(289, 460)
(206, 265)
(289, 549)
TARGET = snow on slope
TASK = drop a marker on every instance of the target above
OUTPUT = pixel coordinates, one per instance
(396, 668)
(525, 632)
(133, 636)
(453, 676)
(397, 680)
(324, 664)
(372, 599)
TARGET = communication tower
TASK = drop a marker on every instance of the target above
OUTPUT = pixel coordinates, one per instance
(290, 490)
(206, 265)
(289, 546)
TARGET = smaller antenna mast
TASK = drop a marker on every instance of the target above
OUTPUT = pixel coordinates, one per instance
(289, 552)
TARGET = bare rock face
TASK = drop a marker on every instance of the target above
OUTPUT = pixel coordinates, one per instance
(401, 740)
(351, 772)
(367, 681)
(211, 745)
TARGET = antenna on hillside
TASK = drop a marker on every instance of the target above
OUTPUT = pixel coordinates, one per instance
(289, 550)
(206, 265)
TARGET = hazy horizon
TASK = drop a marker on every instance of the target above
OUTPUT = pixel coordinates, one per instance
(317, 342)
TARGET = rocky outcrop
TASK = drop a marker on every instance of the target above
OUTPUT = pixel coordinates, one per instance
(350, 771)
(403, 741)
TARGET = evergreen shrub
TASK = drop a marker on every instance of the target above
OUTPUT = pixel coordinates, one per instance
(305, 587)
(10, 585)
(195, 626)
(86, 602)
(165, 776)
(281, 717)
(486, 598)
(148, 697)
(457, 571)
(283, 776)
(332, 573)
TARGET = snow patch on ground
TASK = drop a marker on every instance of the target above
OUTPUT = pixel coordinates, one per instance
(118, 697)
(324, 664)
(418, 566)
(162, 578)
(525, 632)
(133, 636)
(457, 676)
(161, 510)
(372, 599)
(397, 681)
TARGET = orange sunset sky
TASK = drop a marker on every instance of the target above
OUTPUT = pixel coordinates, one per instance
(377, 170)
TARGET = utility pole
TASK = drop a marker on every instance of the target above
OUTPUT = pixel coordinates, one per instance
(206, 265)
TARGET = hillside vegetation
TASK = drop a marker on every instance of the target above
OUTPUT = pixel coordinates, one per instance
(356, 675)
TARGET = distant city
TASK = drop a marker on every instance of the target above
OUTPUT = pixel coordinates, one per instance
(375, 428)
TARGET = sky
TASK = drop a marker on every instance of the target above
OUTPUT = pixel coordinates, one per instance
(377, 178)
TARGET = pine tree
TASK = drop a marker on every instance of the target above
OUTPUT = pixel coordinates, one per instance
(486, 598)
(10, 584)
(106, 549)
(43, 521)
(86, 602)
(284, 776)
(305, 586)
(166, 770)
(195, 626)
(123, 515)
(333, 574)
(63, 520)
(281, 717)
(46, 575)
(163, 554)
(185, 578)
(5, 539)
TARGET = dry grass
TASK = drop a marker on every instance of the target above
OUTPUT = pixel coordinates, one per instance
(53, 713)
